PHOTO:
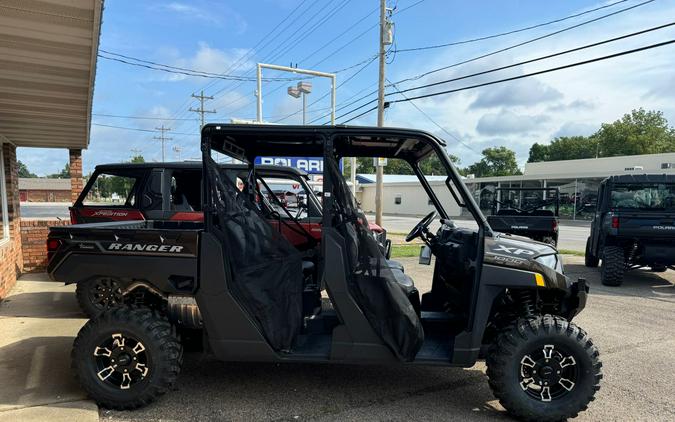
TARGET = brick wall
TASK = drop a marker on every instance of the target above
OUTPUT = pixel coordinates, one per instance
(76, 181)
(11, 260)
(34, 233)
(44, 195)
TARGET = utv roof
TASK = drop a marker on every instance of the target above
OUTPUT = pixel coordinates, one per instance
(245, 142)
(641, 178)
(267, 169)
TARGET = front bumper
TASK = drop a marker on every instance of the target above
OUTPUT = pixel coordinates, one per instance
(576, 301)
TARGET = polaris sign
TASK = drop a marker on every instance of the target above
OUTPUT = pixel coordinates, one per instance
(311, 165)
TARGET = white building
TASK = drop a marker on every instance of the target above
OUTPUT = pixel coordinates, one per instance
(577, 180)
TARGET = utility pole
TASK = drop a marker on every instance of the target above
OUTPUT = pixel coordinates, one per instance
(162, 138)
(201, 97)
(177, 150)
(385, 39)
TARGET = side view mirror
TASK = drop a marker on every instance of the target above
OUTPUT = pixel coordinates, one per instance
(425, 255)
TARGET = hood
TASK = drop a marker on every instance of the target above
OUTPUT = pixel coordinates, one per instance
(516, 246)
(522, 253)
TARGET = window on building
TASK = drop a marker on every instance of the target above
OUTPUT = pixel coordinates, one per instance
(4, 218)
(397, 199)
(665, 166)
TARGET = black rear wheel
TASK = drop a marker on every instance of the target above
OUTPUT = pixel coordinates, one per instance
(125, 358)
(98, 294)
(544, 369)
(590, 260)
(613, 266)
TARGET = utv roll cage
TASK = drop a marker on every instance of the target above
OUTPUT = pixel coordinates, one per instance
(550, 196)
(241, 143)
(246, 142)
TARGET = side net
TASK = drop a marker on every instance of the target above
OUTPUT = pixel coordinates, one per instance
(384, 293)
(265, 269)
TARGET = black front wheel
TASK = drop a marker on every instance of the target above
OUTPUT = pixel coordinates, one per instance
(544, 369)
(126, 357)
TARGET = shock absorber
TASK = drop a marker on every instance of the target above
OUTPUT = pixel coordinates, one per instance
(526, 301)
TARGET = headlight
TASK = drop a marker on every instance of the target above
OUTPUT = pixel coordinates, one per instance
(550, 261)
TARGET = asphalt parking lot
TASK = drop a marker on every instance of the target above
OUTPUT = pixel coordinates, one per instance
(633, 326)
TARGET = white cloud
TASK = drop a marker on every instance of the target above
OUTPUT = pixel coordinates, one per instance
(523, 92)
(212, 60)
(576, 129)
(507, 123)
(218, 14)
(569, 102)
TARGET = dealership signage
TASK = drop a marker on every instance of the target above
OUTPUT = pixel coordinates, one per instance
(311, 165)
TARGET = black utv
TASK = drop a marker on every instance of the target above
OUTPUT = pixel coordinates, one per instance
(633, 226)
(255, 297)
(529, 212)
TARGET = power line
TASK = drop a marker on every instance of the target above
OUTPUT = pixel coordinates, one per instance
(136, 117)
(183, 71)
(515, 31)
(419, 76)
(361, 115)
(540, 72)
(332, 54)
(548, 56)
(140, 130)
(520, 44)
(328, 93)
(432, 120)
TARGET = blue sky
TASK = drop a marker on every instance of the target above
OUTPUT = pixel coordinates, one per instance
(212, 35)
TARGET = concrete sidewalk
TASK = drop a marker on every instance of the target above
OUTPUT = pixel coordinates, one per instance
(38, 322)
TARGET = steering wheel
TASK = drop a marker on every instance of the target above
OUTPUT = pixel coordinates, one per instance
(421, 227)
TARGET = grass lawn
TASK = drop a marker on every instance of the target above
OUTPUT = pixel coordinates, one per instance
(405, 251)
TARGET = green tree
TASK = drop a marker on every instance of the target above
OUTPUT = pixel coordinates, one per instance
(497, 161)
(137, 159)
(430, 165)
(63, 174)
(23, 170)
(565, 148)
(640, 132)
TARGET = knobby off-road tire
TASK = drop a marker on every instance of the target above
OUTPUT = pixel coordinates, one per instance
(590, 260)
(127, 357)
(517, 362)
(613, 266)
(98, 295)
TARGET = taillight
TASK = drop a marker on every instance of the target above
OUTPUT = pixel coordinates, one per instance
(554, 225)
(52, 246)
(615, 222)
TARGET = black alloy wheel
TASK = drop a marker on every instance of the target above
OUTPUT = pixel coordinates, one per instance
(544, 368)
(121, 361)
(127, 357)
(548, 374)
(99, 294)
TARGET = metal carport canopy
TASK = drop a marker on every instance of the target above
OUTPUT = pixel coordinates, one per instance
(48, 52)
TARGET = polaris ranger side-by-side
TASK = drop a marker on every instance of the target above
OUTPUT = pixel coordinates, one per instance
(173, 192)
(256, 297)
(529, 212)
(633, 226)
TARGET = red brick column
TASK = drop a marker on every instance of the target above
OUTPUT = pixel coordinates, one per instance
(11, 261)
(76, 181)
